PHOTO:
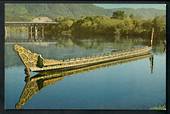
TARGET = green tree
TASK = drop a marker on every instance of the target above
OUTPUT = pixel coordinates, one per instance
(131, 16)
(159, 24)
(119, 14)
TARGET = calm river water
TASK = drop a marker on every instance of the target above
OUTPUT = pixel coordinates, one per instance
(131, 85)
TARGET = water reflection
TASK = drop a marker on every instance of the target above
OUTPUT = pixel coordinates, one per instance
(139, 88)
(93, 41)
(37, 82)
(65, 48)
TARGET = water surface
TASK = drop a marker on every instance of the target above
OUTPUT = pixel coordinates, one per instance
(131, 85)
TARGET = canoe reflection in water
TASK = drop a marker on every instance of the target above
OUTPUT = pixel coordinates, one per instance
(35, 83)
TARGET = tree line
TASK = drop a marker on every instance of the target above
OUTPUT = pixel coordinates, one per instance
(119, 24)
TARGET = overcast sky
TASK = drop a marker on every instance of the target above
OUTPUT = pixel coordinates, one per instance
(111, 6)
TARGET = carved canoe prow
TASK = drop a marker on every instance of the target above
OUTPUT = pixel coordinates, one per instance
(27, 57)
(31, 59)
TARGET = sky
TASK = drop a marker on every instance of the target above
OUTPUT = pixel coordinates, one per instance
(111, 6)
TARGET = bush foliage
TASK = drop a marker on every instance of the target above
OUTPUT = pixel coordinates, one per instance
(118, 24)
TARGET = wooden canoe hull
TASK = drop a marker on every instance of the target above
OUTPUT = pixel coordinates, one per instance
(30, 59)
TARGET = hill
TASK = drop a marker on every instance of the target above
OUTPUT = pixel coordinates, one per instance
(26, 12)
(144, 13)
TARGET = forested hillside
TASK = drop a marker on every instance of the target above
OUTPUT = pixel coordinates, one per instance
(26, 12)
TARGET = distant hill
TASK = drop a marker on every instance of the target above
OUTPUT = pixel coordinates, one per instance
(144, 13)
(26, 12)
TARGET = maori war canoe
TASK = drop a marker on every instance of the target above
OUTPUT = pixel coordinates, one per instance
(36, 63)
